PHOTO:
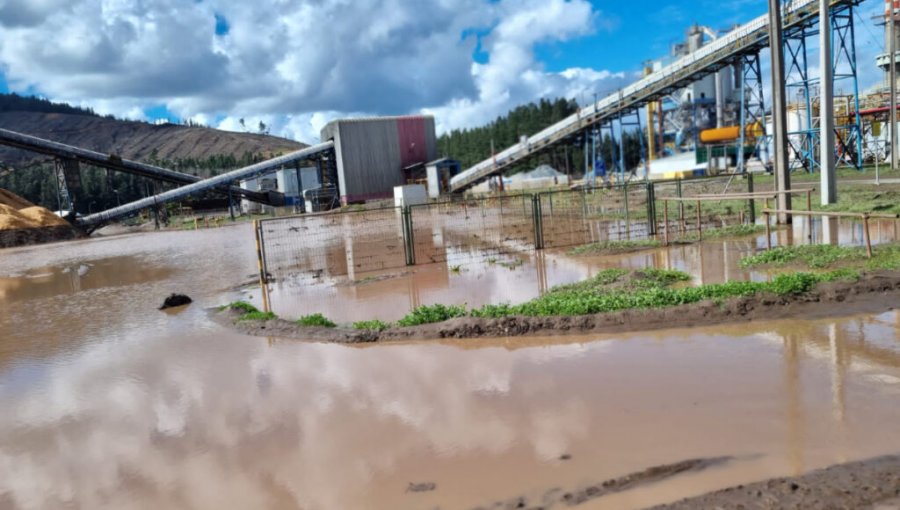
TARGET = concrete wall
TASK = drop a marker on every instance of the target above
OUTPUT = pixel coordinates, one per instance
(372, 152)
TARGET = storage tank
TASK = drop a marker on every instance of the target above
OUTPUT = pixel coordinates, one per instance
(371, 153)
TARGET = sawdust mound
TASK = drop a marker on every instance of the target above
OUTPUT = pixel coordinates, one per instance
(18, 213)
(41, 217)
(13, 200)
(11, 219)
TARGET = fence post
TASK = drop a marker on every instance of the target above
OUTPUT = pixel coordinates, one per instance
(867, 235)
(699, 220)
(666, 221)
(537, 221)
(260, 260)
(651, 209)
(627, 217)
(679, 193)
(751, 202)
(408, 245)
(584, 210)
(768, 230)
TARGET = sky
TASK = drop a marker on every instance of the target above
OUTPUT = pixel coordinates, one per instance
(297, 64)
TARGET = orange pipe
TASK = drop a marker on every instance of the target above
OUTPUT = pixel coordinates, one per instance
(730, 133)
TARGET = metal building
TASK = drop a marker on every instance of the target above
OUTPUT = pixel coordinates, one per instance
(371, 153)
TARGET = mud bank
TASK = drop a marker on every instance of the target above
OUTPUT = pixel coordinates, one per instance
(872, 293)
(870, 484)
(558, 497)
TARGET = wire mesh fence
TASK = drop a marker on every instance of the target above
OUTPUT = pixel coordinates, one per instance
(571, 218)
(362, 240)
(333, 244)
(472, 229)
(681, 216)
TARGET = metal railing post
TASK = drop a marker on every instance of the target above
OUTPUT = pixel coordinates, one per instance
(409, 246)
(751, 202)
(651, 210)
(537, 221)
(627, 217)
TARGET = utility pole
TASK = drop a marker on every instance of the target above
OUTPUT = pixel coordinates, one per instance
(826, 107)
(779, 112)
(892, 79)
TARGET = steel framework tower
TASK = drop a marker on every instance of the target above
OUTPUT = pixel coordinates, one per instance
(752, 109)
(804, 140)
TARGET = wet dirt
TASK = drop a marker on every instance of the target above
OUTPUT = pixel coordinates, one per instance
(861, 485)
(109, 403)
(873, 293)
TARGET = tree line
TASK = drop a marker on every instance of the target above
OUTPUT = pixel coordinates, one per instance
(473, 145)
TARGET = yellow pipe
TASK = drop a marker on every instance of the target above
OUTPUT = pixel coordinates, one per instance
(651, 136)
(730, 133)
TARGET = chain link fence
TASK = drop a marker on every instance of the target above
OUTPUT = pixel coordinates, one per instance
(332, 244)
(459, 231)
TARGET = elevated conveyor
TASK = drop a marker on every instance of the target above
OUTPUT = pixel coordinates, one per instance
(744, 40)
(225, 179)
(111, 162)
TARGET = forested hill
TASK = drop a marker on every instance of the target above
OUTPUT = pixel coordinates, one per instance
(470, 146)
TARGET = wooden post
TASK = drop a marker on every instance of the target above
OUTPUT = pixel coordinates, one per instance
(260, 264)
(741, 216)
(699, 221)
(768, 229)
(809, 200)
(868, 237)
(666, 222)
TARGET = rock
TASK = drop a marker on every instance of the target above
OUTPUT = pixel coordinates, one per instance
(176, 300)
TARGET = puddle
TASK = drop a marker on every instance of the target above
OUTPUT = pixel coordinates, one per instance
(109, 403)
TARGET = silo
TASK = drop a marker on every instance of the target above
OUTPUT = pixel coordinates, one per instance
(371, 153)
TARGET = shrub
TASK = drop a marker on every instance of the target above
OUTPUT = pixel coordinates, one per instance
(316, 320)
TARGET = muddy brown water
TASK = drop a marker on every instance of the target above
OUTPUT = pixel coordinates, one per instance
(110, 403)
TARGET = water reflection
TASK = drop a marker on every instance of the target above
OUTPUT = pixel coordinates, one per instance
(207, 420)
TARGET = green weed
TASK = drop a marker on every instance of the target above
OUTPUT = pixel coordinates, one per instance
(258, 316)
(430, 314)
(241, 306)
(815, 256)
(373, 325)
(316, 320)
(623, 246)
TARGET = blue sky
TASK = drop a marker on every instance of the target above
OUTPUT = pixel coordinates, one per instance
(296, 64)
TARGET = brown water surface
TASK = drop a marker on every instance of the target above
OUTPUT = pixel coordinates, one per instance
(109, 403)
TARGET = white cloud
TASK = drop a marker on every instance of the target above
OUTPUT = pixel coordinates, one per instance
(294, 64)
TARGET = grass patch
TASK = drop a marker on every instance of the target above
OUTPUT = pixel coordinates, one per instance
(429, 314)
(257, 316)
(734, 231)
(241, 306)
(816, 256)
(649, 289)
(373, 325)
(825, 256)
(611, 247)
(316, 320)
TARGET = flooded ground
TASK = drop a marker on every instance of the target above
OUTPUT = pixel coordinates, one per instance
(474, 279)
(110, 403)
